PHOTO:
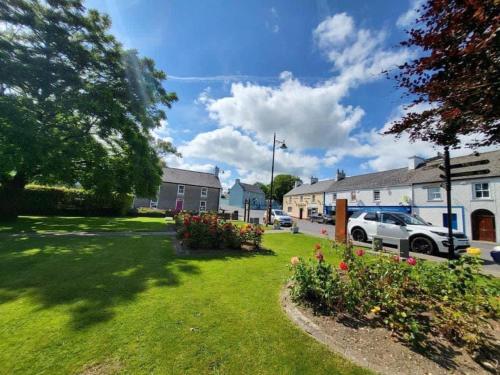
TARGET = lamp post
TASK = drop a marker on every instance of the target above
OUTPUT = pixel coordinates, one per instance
(283, 147)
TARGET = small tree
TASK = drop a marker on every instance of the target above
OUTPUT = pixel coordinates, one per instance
(283, 183)
(457, 76)
(75, 106)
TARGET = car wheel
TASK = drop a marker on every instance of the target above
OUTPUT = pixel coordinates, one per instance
(422, 245)
(358, 234)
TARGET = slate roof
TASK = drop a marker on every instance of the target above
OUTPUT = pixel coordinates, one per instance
(427, 173)
(183, 176)
(251, 188)
(318, 187)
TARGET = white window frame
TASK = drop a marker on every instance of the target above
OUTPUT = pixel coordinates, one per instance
(375, 193)
(289, 208)
(179, 189)
(353, 196)
(431, 194)
(481, 190)
(334, 196)
(204, 189)
(205, 208)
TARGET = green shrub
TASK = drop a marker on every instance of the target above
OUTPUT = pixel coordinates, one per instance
(48, 200)
(208, 232)
(150, 212)
(414, 299)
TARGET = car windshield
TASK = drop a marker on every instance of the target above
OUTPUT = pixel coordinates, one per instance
(410, 219)
(279, 213)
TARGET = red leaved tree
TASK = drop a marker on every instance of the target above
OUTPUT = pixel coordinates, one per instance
(457, 74)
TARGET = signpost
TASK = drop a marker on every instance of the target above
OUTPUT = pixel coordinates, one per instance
(446, 167)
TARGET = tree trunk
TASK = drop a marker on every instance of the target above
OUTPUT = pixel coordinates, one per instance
(10, 197)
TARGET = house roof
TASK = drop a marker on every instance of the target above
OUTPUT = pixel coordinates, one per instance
(430, 171)
(251, 188)
(183, 176)
(393, 177)
(318, 187)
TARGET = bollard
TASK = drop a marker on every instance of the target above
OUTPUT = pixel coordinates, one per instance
(404, 248)
(377, 244)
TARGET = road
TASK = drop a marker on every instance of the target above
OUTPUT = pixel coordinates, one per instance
(314, 229)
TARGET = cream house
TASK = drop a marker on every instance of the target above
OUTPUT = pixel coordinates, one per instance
(306, 199)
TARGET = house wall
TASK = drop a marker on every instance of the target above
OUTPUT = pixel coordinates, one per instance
(389, 197)
(191, 198)
(293, 203)
(463, 202)
(237, 198)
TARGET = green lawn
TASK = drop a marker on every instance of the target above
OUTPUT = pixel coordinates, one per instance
(129, 305)
(40, 224)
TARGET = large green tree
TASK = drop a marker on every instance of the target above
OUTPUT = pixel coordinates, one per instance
(283, 183)
(74, 105)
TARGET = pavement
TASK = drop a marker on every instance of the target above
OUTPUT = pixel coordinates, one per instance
(490, 267)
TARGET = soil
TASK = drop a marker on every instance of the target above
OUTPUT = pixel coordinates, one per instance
(376, 349)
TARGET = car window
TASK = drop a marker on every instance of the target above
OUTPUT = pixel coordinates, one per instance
(371, 216)
(279, 213)
(356, 214)
(390, 219)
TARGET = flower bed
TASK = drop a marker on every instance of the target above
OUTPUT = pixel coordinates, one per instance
(207, 231)
(414, 299)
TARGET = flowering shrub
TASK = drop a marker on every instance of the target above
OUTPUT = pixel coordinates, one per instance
(206, 231)
(414, 299)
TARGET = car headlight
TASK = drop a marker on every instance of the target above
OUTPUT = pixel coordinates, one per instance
(441, 234)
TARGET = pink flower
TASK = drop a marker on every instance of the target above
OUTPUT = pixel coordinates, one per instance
(411, 261)
(324, 232)
(295, 261)
(317, 246)
(360, 252)
(319, 256)
(343, 266)
(396, 258)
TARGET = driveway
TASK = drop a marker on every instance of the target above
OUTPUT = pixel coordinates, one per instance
(314, 229)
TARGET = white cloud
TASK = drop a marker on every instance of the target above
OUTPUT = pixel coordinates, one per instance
(409, 17)
(334, 30)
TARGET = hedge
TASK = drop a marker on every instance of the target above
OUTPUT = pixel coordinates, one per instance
(49, 200)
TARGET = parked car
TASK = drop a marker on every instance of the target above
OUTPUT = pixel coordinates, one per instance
(391, 226)
(281, 216)
(318, 217)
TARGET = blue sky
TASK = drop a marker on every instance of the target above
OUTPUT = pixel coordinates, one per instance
(309, 70)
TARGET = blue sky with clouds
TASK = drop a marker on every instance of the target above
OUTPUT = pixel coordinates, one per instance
(309, 70)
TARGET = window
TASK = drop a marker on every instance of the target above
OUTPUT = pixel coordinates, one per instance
(434, 194)
(314, 198)
(334, 196)
(289, 199)
(371, 216)
(353, 195)
(289, 208)
(481, 191)
(301, 198)
(376, 195)
(204, 192)
(180, 189)
(203, 206)
(390, 219)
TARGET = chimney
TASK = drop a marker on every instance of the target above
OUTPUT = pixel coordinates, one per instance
(297, 183)
(237, 181)
(216, 171)
(414, 162)
(314, 180)
(340, 175)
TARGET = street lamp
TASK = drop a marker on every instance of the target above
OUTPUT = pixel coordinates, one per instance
(283, 147)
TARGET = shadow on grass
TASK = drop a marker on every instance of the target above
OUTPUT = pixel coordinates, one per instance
(223, 254)
(33, 224)
(90, 276)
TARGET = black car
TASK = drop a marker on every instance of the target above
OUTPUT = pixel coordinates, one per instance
(322, 218)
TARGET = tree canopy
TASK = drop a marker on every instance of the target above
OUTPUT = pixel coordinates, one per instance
(282, 184)
(456, 77)
(74, 105)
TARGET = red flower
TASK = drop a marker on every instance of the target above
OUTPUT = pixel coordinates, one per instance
(317, 246)
(411, 261)
(343, 266)
(196, 219)
(324, 232)
(360, 252)
(187, 235)
(319, 256)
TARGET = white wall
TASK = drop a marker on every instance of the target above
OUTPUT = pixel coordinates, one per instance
(390, 196)
(461, 196)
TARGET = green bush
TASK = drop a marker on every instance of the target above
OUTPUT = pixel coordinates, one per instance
(150, 212)
(48, 200)
(414, 299)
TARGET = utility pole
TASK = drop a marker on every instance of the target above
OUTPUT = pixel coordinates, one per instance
(447, 171)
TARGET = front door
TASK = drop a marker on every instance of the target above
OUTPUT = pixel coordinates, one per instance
(301, 213)
(179, 204)
(483, 226)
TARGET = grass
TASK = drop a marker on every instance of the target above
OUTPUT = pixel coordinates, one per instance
(42, 224)
(129, 305)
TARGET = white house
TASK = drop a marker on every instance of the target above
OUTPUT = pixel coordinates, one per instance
(418, 189)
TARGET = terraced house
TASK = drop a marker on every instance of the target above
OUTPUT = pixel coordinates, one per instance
(306, 199)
